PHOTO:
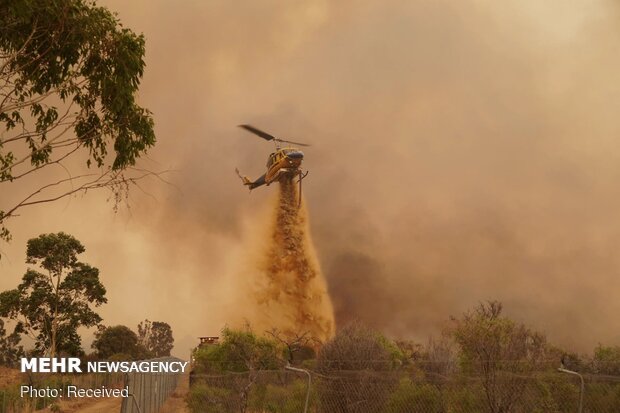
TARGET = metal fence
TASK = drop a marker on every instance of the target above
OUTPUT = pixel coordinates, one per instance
(148, 391)
(389, 392)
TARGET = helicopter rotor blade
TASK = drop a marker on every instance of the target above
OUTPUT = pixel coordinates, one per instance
(267, 136)
(294, 143)
(258, 132)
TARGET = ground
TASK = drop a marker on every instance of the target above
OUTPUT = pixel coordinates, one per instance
(90, 406)
(8, 376)
(176, 402)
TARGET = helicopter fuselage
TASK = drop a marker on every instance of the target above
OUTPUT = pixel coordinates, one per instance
(283, 161)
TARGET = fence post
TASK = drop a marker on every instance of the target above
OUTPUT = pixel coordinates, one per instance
(309, 384)
(583, 385)
(148, 391)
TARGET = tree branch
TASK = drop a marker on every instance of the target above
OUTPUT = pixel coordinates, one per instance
(12, 56)
(107, 179)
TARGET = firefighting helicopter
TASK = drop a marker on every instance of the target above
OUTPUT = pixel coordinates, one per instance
(284, 162)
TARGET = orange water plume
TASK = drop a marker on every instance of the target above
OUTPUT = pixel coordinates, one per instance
(293, 296)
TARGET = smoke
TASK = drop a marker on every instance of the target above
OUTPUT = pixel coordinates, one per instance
(461, 151)
(289, 289)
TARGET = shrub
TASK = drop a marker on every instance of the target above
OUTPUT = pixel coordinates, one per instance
(359, 367)
(410, 396)
(207, 399)
(281, 399)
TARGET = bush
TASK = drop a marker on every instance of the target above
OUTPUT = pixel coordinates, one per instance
(467, 397)
(238, 351)
(228, 371)
(606, 360)
(281, 399)
(359, 364)
(357, 347)
(602, 397)
(206, 399)
(419, 397)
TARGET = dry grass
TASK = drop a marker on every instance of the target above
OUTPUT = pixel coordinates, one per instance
(176, 402)
(88, 406)
(9, 376)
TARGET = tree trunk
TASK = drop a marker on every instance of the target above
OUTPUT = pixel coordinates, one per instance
(53, 340)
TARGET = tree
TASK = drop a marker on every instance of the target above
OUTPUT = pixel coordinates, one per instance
(239, 351)
(358, 347)
(298, 346)
(51, 305)
(438, 359)
(119, 341)
(10, 350)
(360, 364)
(69, 73)
(499, 350)
(606, 360)
(156, 337)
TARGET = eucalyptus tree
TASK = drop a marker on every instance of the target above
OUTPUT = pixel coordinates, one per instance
(53, 301)
(69, 74)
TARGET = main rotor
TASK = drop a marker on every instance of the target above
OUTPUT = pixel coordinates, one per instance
(269, 137)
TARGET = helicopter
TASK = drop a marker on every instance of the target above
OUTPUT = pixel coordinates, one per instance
(284, 162)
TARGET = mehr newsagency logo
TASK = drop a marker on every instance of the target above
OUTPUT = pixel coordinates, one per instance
(75, 365)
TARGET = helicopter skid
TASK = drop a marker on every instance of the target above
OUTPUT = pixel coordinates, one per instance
(282, 172)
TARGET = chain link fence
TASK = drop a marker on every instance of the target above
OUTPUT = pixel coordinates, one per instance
(148, 391)
(389, 392)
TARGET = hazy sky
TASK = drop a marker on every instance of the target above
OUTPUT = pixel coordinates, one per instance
(462, 151)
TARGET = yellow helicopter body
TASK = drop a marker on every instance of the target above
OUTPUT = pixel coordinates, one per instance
(282, 162)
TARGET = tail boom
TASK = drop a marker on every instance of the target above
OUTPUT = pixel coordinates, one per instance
(251, 184)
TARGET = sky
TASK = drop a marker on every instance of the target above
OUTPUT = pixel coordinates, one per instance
(462, 151)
